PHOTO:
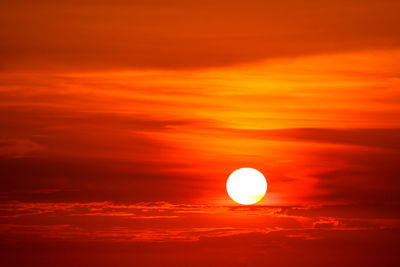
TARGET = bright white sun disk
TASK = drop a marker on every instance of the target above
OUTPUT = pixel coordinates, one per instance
(246, 186)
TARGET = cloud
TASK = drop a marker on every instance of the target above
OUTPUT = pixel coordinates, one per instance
(18, 148)
(161, 135)
(124, 35)
(377, 138)
(368, 178)
(203, 233)
(276, 248)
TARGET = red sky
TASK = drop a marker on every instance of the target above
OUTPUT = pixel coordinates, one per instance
(121, 121)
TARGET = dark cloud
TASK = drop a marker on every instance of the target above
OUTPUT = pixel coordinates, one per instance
(18, 148)
(285, 248)
(369, 178)
(378, 138)
(122, 34)
(50, 155)
(197, 235)
(86, 179)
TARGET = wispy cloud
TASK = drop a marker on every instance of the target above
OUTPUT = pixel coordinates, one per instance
(165, 222)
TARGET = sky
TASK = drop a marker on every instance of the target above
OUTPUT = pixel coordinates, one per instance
(120, 122)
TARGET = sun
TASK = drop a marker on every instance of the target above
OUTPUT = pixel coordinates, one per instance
(246, 186)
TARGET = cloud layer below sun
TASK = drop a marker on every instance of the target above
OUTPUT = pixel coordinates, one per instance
(133, 232)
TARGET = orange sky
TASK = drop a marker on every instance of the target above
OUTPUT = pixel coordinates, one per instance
(120, 123)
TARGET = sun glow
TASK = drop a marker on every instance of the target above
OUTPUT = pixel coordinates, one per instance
(246, 186)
